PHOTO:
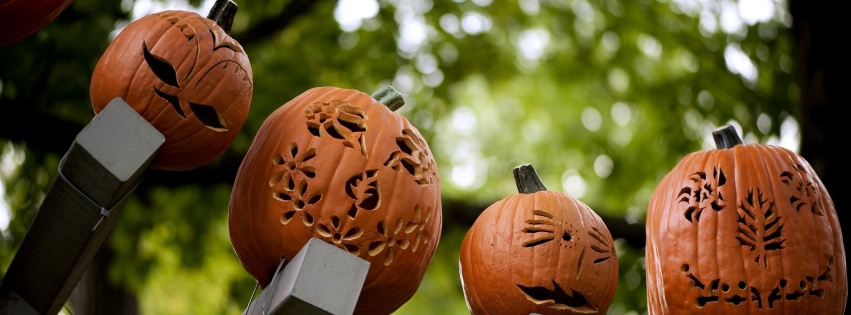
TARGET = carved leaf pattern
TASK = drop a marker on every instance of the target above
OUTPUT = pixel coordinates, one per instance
(703, 193)
(760, 227)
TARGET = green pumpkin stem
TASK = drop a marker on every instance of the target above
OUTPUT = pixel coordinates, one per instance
(726, 137)
(223, 12)
(390, 97)
(527, 179)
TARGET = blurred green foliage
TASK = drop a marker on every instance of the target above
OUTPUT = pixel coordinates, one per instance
(602, 97)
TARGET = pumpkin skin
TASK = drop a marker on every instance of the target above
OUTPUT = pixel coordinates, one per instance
(338, 165)
(744, 229)
(185, 75)
(20, 19)
(538, 251)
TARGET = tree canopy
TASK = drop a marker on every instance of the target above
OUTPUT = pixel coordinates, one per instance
(602, 97)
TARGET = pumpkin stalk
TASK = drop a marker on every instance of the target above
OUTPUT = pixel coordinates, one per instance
(390, 97)
(726, 137)
(223, 12)
(527, 180)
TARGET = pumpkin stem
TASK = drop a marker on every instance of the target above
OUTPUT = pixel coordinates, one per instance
(726, 137)
(390, 97)
(223, 12)
(527, 179)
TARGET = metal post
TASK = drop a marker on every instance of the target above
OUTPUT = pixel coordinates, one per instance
(103, 166)
(320, 279)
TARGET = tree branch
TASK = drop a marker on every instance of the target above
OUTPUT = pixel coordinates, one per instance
(272, 25)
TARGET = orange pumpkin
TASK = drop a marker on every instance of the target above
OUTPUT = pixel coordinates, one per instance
(538, 251)
(338, 165)
(186, 76)
(20, 19)
(744, 229)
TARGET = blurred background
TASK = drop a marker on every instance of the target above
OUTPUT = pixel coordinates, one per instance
(602, 97)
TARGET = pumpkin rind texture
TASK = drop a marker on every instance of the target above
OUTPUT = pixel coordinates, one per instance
(744, 230)
(338, 165)
(20, 19)
(542, 252)
(183, 74)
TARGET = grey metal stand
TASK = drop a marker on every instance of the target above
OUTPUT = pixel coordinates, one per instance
(320, 279)
(103, 166)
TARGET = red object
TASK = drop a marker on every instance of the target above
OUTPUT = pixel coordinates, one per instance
(744, 229)
(20, 19)
(538, 252)
(186, 76)
(340, 166)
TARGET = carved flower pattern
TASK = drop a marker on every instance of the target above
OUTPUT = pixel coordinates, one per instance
(332, 233)
(338, 120)
(389, 241)
(292, 182)
(413, 158)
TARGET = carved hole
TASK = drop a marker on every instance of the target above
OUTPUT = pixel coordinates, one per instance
(561, 299)
(684, 268)
(417, 242)
(353, 211)
(209, 116)
(410, 166)
(566, 236)
(307, 218)
(323, 230)
(351, 248)
(313, 128)
(280, 195)
(287, 216)
(353, 233)
(405, 145)
(388, 259)
(161, 68)
(399, 225)
(381, 228)
(290, 183)
(314, 199)
(411, 227)
(353, 126)
(308, 171)
(742, 285)
(173, 100)
(334, 133)
(293, 148)
(375, 248)
(335, 222)
(538, 241)
(278, 159)
(372, 202)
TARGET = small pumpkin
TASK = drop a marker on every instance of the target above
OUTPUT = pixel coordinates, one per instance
(20, 19)
(186, 76)
(341, 166)
(538, 251)
(744, 229)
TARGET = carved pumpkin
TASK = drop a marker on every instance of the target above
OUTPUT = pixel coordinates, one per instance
(20, 19)
(744, 229)
(538, 251)
(186, 76)
(338, 165)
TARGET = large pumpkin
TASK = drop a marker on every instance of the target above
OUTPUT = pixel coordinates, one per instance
(538, 251)
(744, 229)
(20, 19)
(186, 76)
(341, 166)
